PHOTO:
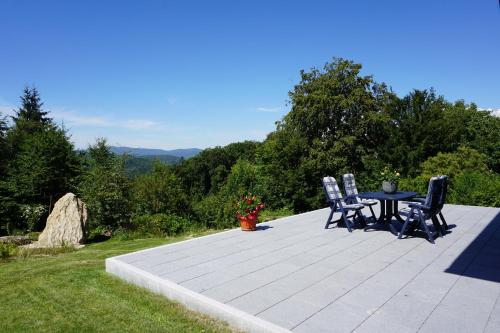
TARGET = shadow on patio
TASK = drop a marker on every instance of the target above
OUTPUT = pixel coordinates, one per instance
(481, 259)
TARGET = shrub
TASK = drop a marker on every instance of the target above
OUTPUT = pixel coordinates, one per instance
(159, 192)
(160, 224)
(461, 163)
(216, 211)
(32, 215)
(269, 215)
(476, 188)
(7, 250)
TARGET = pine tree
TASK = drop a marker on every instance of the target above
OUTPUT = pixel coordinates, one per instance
(40, 165)
(31, 108)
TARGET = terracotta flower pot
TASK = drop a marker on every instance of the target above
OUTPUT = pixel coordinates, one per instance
(248, 223)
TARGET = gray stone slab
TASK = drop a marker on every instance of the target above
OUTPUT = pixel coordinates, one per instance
(289, 313)
(337, 318)
(493, 324)
(469, 303)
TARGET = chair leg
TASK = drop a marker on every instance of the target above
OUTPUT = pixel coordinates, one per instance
(330, 217)
(346, 220)
(437, 225)
(362, 217)
(445, 225)
(405, 225)
(430, 237)
(373, 213)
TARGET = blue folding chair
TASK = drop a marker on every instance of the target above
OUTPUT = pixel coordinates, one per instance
(442, 201)
(336, 202)
(351, 193)
(417, 213)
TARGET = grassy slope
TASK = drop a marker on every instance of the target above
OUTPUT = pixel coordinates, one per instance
(71, 292)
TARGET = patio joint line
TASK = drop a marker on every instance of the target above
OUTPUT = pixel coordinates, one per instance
(491, 312)
(327, 276)
(460, 276)
(387, 244)
(274, 263)
(302, 268)
(230, 233)
(254, 257)
(416, 275)
(258, 255)
(181, 250)
(494, 305)
(223, 256)
(369, 277)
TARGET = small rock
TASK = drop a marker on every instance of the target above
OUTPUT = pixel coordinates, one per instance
(16, 240)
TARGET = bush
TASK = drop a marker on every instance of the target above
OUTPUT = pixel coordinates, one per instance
(476, 188)
(216, 211)
(159, 192)
(269, 215)
(32, 215)
(465, 162)
(7, 250)
(160, 224)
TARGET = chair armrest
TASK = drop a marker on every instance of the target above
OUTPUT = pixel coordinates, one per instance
(418, 205)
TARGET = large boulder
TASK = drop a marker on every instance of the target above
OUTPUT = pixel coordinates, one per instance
(66, 225)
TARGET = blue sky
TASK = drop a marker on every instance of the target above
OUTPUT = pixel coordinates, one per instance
(178, 74)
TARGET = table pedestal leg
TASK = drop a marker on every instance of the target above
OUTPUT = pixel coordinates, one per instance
(388, 209)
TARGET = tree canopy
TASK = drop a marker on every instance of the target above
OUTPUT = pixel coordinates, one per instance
(340, 121)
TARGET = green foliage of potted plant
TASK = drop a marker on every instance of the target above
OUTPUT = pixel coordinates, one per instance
(390, 179)
(248, 208)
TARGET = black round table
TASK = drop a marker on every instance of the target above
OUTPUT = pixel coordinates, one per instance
(388, 207)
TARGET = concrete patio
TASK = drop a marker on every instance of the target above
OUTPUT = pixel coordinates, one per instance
(292, 274)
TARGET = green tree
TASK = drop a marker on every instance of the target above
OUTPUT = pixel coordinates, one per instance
(160, 191)
(31, 108)
(105, 188)
(337, 117)
(419, 131)
(7, 203)
(44, 166)
(461, 166)
(41, 162)
(206, 173)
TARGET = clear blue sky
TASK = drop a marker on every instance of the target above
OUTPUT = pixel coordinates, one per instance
(178, 74)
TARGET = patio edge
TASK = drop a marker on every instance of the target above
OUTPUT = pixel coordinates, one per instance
(192, 300)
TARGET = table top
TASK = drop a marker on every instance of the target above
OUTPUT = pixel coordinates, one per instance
(399, 195)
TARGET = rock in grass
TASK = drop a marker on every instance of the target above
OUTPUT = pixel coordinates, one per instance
(15, 240)
(66, 225)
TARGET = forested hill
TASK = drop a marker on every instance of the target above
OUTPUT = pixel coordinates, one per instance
(148, 152)
(139, 165)
(140, 161)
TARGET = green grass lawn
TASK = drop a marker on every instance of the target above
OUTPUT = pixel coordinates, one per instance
(71, 292)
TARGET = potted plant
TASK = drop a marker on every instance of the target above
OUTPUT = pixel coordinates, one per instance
(248, 208)
(390, 180)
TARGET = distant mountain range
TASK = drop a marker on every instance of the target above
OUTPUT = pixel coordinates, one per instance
(139, 152)
(141, 160)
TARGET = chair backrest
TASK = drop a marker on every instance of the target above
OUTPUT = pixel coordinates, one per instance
(444, 189)
(434, 195)
(332, 190)
(350, 185)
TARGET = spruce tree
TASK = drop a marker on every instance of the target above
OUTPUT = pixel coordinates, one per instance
(31, 108)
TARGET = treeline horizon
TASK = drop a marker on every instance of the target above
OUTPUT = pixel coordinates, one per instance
(339, 122)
